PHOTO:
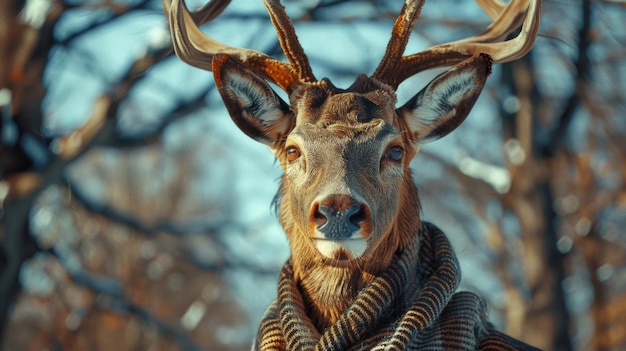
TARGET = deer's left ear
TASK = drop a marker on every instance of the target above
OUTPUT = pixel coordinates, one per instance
(445, 102)
(252, 104)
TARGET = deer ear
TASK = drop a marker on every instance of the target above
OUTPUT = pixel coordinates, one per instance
(252, 104)
(445, 102)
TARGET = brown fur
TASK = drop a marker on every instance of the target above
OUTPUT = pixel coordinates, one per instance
(329, 286)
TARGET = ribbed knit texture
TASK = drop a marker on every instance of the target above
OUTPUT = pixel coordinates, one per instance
(410, 306)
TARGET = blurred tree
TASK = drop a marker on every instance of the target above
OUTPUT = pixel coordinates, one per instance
(134, 216)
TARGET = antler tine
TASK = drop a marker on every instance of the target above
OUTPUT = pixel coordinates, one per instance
(209, 11)
(289, 41)
(493, 8)
(198, 49)
(399, 38)
(507, 18)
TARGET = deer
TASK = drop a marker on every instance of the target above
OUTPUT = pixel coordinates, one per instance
(365, 271)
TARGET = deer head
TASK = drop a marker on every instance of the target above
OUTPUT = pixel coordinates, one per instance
(347, 200)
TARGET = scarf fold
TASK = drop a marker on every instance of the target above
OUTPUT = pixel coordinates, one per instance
(410, 306)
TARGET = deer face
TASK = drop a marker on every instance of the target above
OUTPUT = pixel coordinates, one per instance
(343, 165)
(345, 153)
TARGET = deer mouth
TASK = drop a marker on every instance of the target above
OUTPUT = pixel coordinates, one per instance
(341, 249)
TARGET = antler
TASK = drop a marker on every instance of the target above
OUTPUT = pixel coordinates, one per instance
(198, 49)
(395, 68)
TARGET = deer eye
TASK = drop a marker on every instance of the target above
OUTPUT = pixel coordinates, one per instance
(394, 153)
(292, 153)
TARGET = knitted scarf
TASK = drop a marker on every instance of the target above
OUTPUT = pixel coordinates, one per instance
(410, 306)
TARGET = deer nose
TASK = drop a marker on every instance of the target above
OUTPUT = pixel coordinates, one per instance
(338, 217)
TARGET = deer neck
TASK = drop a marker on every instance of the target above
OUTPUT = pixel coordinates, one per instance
(328, 291)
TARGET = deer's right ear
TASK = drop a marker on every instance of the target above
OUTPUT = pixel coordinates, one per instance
(445, 102)
(252, 104)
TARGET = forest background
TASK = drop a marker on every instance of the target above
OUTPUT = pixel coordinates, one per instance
(135, 216)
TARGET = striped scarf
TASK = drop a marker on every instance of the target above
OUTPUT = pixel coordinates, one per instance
(410, 306)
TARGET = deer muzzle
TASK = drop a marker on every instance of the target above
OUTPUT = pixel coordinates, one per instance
(341, 226)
